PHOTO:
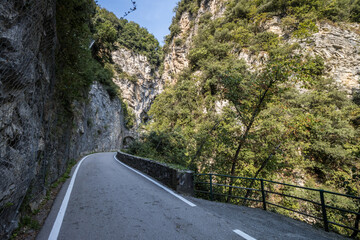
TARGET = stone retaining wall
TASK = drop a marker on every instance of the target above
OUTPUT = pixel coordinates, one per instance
(180, 181)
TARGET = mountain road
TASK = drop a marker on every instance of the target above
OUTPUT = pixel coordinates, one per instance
(105, 199)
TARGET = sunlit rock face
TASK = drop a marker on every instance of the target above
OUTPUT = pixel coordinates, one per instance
(340, 48)
(141, 83)
(176, 56)
(338, 44)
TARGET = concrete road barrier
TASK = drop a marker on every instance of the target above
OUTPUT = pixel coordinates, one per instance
(179, 180)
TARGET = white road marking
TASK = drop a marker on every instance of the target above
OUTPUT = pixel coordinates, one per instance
(244, 235)
(60, 217)
(156, 183)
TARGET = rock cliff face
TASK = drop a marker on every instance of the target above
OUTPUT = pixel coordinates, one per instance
(27, 54)
(37, 139)
(140, 85)
(337, 44)
(176, 56)
(98, 124)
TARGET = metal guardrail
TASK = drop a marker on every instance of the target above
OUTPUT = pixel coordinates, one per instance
(233, 189)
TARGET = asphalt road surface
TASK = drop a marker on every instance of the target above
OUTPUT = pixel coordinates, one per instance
(110, 201)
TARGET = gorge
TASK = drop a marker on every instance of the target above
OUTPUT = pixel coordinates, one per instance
(61, 99)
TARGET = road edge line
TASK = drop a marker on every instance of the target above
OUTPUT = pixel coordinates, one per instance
(244, 235)
(60, 216)
(156, 183)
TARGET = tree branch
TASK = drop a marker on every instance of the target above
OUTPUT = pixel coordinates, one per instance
(131, 9)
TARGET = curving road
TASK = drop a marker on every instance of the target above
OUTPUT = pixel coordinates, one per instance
(110, 201)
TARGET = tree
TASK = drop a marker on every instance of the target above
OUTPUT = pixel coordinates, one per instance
(250, 92)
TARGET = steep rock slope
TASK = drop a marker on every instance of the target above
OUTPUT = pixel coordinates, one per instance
(255, 89)
(27, 43)
(139, 90)
(133, 56)
(99, 124)
(177, 49)
(337, 43)
(37, 138)
(220, 73)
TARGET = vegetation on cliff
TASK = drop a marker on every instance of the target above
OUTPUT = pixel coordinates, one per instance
(216, 76)
(75, 66)
(283, 119)
(111, 32)
(87, 35)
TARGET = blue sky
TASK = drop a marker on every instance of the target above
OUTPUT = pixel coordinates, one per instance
(154, 15)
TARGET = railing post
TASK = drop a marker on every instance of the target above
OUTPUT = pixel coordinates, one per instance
(323, 209)
(263, 194)
(211, 188)
(194, 184)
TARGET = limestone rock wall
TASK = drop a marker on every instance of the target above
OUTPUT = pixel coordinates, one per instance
(99, 124)
(176, 56)
(27, 57)
(338, 44)
(37, 137)
(144, 85)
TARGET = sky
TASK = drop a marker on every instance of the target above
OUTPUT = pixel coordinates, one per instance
(154, 15)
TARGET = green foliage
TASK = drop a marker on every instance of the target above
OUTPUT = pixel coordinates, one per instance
(28, 221)
(311, 70)
(124, 75)
(264, 41)
(205, 18)
(75, 66)
(183, 6)
(104, 76)
(179, 42)
(175, 29)
(355, 11)
(8, 204)
(333, 138)
(304, 113)
(66, 175)
(305, 29)
(318, 123)
(243, 9)
(242, 36)
(129, 115)
(108, 30)
(302, 14)
(167, 147)
(335, 10)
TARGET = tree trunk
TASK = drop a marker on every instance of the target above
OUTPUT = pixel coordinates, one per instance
(197, 154)
(243, 140)
(263, 165)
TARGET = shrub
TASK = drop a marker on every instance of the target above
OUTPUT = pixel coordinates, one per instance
(305, 29)
(179, 42)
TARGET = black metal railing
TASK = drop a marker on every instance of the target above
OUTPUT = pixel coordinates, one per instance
(333, 211)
